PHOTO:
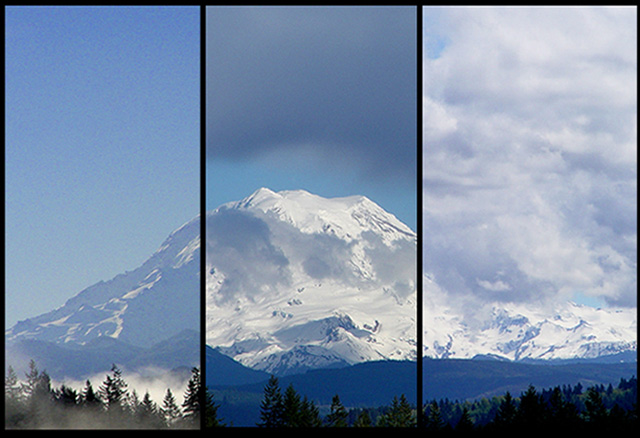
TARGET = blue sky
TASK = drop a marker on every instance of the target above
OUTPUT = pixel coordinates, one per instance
(102, 146)
(530, 154)
(316, 98)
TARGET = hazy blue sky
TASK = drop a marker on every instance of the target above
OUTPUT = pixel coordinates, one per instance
(315, 98)
(530, 153)
(102, 146)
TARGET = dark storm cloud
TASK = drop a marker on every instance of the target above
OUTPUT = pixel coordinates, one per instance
(337, 82)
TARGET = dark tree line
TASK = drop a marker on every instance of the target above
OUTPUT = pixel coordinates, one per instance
(34, 403)
(288, 409)
(563, 408)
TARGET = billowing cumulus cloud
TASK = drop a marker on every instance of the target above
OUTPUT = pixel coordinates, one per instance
(334, 87)
(240, 245)
(529, 153)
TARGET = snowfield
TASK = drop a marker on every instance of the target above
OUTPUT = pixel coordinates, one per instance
(297, 281)
(294, 281)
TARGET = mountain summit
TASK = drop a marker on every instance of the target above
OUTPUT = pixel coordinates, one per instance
(296, 281)
(346, 217)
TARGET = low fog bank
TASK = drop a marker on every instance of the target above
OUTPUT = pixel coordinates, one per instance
(149, 398)
(154, 381)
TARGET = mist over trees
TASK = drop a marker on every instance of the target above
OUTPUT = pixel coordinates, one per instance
(34, 403)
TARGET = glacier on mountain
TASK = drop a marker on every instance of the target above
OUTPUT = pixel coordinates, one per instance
(524, 331)
(295, 281)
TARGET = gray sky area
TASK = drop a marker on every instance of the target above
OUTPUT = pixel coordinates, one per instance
(315, 98)
(530, 153)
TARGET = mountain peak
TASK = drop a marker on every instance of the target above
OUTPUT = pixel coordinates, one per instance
(263, 193)
(345, 217)
(298, 280)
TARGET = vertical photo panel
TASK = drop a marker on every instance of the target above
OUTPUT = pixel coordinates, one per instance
(529, 257)
(102, 221)
(310, 230)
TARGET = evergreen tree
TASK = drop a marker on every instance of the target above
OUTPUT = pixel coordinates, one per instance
(113, 391)
(66, 395)
(12, 390)
(399, 415)
(507, 411)
(531, 412)
(291, 408)
(609, 389)
(170, 410)
(40, 402)
(434, 422)
(210, 411)
(42, 388)
(191, 404)
(562, 414)
(338, 414)
(618, 419)
(272, 407)
(31, 379)
(88, 397)
(14, 410)
(363, 419)
(596, 412)
(148, 414)
(465, 424)
(309, 414)
(133, 404)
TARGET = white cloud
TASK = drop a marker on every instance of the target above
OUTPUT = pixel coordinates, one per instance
(436, 122)
(530, 153)
(495, 286)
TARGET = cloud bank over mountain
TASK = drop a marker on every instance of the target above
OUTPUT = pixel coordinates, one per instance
(529, 154)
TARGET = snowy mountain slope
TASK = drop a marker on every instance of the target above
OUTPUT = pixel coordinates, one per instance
(295, 281)
(520, 332)
(158, 300)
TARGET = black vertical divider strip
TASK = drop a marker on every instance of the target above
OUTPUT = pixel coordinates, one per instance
(419, 340)
(203, 215)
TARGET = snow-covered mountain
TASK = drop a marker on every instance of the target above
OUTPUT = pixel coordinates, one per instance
(296, 281)
(152, 303)
(521, 332)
